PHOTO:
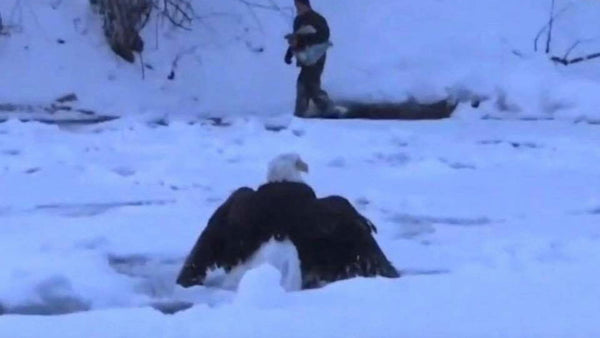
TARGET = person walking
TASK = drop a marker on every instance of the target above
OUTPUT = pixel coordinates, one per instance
(309, 43)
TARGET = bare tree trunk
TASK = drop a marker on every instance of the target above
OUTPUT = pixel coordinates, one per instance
(123, 20)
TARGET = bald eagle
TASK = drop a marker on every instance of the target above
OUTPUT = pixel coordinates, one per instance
(311, 241)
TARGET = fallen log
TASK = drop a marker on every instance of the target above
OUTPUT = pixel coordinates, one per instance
(407, 110)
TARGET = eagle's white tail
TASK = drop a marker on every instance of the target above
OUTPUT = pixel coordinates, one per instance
(282, 255)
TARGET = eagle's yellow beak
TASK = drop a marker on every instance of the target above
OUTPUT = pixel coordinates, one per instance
(302, 166)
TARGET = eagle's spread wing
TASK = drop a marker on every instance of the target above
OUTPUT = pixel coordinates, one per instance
(332, 239)
(336, 243)
(228, 237)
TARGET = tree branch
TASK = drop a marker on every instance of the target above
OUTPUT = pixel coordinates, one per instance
(576, 44)
(272, 6)
(571, 48)
(566, 62)
(545, 27)
(550, 24)
(178, 57)
(179, 12)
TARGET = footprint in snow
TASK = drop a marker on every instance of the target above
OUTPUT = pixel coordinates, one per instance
(399, 142)
(395, 159)
(594, 211)
(124, 171)
(32, 170)
(11, 152)
(457, 165)
(92, 243)
(298, 132)
(338, 162)
(362, 202)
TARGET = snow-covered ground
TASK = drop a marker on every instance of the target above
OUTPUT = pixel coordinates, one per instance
(231, 62)
(495, 223)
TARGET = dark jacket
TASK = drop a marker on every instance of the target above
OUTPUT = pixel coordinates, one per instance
(311, 18)
(306, 40)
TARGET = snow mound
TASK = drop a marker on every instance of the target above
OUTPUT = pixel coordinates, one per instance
(261, 287)
(281, 255)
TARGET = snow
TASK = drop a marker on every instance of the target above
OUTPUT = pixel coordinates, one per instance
(492, 214)
(495, 223)
(261, 287)
(424, 49)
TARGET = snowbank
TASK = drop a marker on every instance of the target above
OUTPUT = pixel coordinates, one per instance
(495, 223)
(231, 63)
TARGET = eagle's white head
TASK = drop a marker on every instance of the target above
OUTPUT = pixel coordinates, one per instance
(286, 167)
